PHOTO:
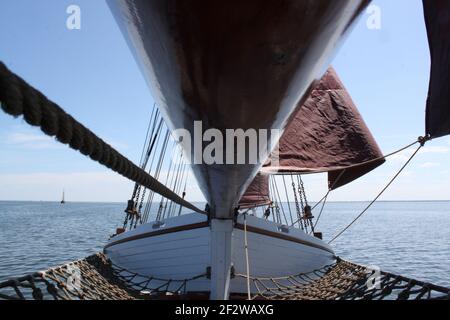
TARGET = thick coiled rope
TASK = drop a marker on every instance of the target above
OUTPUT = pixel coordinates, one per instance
(18, 98)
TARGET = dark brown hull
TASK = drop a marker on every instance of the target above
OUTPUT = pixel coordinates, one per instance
(232, 64)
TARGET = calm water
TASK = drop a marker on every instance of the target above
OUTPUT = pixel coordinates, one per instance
(409, 238)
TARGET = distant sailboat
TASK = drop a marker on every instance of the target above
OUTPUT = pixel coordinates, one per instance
(62, 200)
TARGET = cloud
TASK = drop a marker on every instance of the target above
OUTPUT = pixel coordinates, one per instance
(40, 141)
(29, 140)
(429, 165)
(406, 154)
(399, 157)
(435, 149)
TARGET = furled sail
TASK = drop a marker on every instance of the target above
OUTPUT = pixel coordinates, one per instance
(257, 193)
(437, 20)
(326, 134)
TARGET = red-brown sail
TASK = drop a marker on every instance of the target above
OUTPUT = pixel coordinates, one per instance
(257, 193)
(437, 20)
(326, 134)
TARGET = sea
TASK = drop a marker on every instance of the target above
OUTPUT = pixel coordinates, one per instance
(406, 238)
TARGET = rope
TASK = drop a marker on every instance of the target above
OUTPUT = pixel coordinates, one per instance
(325, 198)
(157, 173)
(92, 278)
(278, 198)
(19, 98)
(345, 280)
(100, 279)
(147, 136)
(297, 205)
(141, 203)
(287, 198)
(249, 295)
(420, 140)
(321, 210)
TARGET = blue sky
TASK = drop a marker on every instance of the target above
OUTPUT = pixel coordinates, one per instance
(92, 75)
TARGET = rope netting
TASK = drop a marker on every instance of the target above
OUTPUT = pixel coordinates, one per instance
(92, 278)
(96, 278)
(345, 281)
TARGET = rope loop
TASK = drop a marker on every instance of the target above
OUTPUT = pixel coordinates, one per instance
(424, 139)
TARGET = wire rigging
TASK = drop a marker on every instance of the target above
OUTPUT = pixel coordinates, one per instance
(421, 141)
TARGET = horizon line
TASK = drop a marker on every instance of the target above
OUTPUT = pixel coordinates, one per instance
(117, 202)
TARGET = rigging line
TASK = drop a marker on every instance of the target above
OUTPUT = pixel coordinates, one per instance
(297, 207)
(271, 204)
(150, 170)
(143, 165)
(287, 198)
(275, 187)
(325, 198)
(162, 202)
(147, 134)
(301, 188)
(381, 192)
(321, 209)
(18, 98)
(300, 196)
(249, 295)
(182, 175)
(282, 208)
(273, 212)
(152, 124)
(302, 193)
(420, 140)
(152, 162)
(158, 169)
(173, 182)
(152, 131)
(152, 145)
(183, 182)
(157, 173)
(184, 190)
(176, 182)
(320, 201)
(156, 140)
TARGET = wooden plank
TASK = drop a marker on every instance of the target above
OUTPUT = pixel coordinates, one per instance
(160, 232)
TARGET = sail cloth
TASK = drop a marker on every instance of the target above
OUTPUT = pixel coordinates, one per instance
(257, 193)
(437, 20)
(326, 134)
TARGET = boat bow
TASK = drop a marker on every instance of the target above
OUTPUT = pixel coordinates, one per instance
(232, 64)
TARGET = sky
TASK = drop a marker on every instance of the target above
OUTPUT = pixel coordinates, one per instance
(91, 73)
